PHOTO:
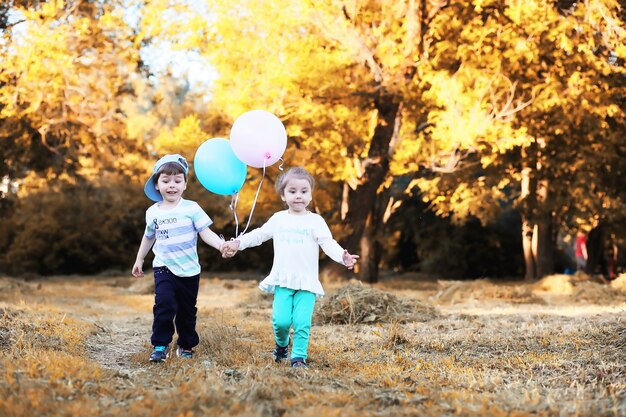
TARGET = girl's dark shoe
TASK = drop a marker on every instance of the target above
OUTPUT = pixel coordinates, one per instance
(298, 363)
(280, 353)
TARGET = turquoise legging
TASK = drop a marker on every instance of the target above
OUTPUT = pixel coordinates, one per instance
(293, 307)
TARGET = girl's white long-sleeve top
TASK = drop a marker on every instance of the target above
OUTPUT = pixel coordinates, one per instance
(297, 239)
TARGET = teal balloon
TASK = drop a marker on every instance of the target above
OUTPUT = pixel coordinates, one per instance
(217, 168)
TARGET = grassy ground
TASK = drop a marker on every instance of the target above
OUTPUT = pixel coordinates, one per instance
(74, 346)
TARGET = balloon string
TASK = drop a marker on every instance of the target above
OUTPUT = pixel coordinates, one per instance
(255, 199)
(282, 162)
(233, 207)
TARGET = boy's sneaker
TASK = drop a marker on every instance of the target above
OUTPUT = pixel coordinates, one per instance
(298, 363)
(184, 353)
(280, 353)
(160, 353)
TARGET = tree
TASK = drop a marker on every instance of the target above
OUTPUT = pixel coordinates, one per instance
(571, 63)
(64, 75)
(351, 81)
(73, 106)
(479, 104)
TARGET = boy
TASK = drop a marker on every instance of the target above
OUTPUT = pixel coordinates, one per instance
(172, 226)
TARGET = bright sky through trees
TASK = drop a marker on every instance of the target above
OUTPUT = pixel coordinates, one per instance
(163, 57)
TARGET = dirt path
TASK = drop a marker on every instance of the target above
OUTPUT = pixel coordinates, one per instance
(119, 310)
(117, 341)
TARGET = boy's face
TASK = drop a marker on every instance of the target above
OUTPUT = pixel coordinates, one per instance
(297, 195)
(171, 186)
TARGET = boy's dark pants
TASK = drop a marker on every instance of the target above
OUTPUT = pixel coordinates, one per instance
(174, 303)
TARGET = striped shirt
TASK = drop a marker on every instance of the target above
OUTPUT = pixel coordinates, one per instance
(176, 232)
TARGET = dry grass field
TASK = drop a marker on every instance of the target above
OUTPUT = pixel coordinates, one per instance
(78, 346)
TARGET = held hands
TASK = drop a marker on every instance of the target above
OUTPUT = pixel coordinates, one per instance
(230, 248)
(349, 260)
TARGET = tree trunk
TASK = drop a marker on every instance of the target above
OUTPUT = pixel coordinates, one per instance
(527, 245)
(545, 246)
(370, 253)
(538, 239)
(527, 208)
(595, 250)
(544, 222)
(363, 199)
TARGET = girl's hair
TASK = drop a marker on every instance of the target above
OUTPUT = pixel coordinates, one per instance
(295, 172)
(170, 168)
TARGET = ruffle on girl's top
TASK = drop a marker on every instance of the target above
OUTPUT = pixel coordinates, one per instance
(292, 280)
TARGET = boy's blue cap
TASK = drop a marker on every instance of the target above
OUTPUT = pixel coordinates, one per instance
(150, 187)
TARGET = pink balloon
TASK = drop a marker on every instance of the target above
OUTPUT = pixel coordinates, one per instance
(258, 138)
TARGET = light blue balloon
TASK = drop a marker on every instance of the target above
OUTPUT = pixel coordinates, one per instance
(217, 168)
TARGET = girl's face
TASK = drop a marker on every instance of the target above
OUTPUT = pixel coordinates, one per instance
(297, 195)
(171, 187)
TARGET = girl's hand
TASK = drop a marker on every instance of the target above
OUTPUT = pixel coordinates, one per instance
(349, 260)
(230, 248)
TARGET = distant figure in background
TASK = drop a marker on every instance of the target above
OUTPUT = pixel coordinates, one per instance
(173, 225)
(580, 251)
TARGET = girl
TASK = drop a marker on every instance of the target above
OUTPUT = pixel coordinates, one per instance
(297, 235)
